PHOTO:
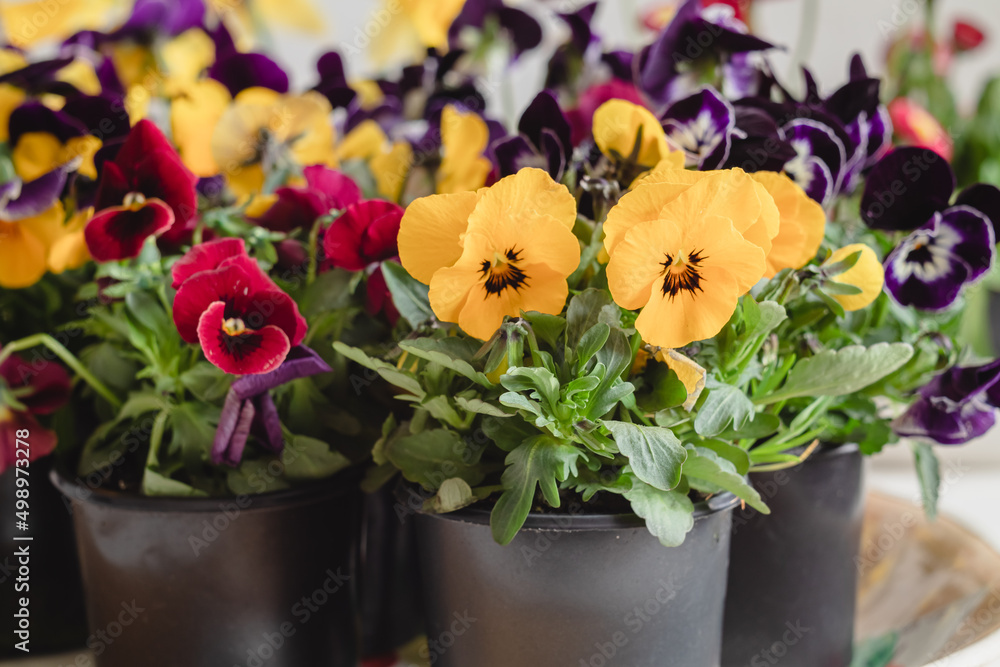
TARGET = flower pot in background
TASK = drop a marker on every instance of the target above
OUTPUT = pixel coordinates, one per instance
(266, 579)
(793, 574)
(58, 620)
(390, 586)
(573, 590)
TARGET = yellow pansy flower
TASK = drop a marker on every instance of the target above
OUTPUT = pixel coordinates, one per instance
(194, 114)
(803, 222)
(493, 253)
(262, 124)
(38, 153)
(464, 137)
(29, 22)
(185, 57)
(685, 263)
(407, 28)
(866, 274)
(617, 127)
(11, 98)
(68, 250)
(24, 247)
(389, 162)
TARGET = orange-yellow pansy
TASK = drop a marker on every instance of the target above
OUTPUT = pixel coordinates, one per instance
(493, 253)
(194, 114)
(389, 162)
(38, 153)
(867, 274)
(69, 249)
(36, 20)
(407, 28)
(464, 136)
(803, 222)
(685, 263)
(24, 247)
(261, 125)
(617, 128)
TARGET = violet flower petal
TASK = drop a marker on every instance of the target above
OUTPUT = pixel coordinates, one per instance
(267, 416)
(812, 138)
(239, 71)
(33, 197)
(905, 188)
(985, 198)
(301, 362)
(699, 124)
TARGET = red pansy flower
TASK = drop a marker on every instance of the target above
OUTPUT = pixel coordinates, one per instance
(967, 36)
(361, 239)
(206, 257)
(37, 389)
(145, 191)
(297, 208)
(245, 324)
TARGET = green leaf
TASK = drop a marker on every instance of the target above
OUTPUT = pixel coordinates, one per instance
(587, 309)
(929, 474)
(454, 494)
(148, 312)
(432, 456)
(308, 458)
(540, 381)
(509, 433)
(408, 294)
(480, 406)
(763, 425)
(547, 327)
(669, 515)
(439, 351)
(666, 389)
(155, 484)
(738, 456)
(206, 381)
(655, 454)
(592, 341)
(704, 465)
(844, 371)
(770, 315)
(254, 476)
(194, 427)
(725, 405)
(540, 461)
(876, 652)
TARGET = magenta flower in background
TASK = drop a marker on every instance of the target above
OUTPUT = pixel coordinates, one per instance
(28, 390)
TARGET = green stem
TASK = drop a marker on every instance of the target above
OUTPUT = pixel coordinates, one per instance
(313, 250)
(156, 439)
(66, 356)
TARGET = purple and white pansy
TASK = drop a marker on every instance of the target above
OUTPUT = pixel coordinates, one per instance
(702, 126)
(952, 245)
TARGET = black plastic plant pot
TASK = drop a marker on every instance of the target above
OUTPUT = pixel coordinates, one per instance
(50, 580)
(247, 581)
(390, 585)
(573, 590)
(793, 574)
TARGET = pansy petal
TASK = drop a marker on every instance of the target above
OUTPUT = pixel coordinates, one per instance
(118, 232)
(251, 352)
(985, 198)
(619, 125)
(301, 362)
(544, 114)
(905, 188)
(430, 234)
(923, 272)
(240, 71)
(34, 196)
(336, 189)
(927, 419)
(515, 153)
(867, 275)
(699, 124)
(231, 441)
(22, 256)
(205, 257)
(270, 422)
(803, 222)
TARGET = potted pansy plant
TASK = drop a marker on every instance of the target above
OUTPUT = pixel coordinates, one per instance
(209, 453)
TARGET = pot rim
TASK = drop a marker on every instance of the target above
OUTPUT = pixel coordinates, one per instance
(339, 484)
(478, 514)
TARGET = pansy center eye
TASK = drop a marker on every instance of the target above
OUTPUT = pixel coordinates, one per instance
(682, 272)
(135, 200)
(502, 271)
(234, 326)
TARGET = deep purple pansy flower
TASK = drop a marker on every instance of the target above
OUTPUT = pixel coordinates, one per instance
(524, 32)
(570, 57)
(955, 407)
(543, 140)
(20, 200)
(238, 71)
(692, 34)
(333, 80)
(702, 126)
(249, 404)
(953, 244)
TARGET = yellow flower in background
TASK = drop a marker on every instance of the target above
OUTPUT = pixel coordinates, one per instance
(24, 247)
(686, 264)
(28, 22)
(243, 17)
(617, 127)
(194, 114)
(262, 126)
(803, 223)
(464, 137)
(867, 274)
(38, 153)
(10, 98)
(389, 162)
(407, 28)
(493, 253)
(758, 220)
(185, 57)
(68, 250)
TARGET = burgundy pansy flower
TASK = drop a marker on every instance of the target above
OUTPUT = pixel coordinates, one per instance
(145, 191)
(249, 407)
(360, 240)
(297, 208)
(955, 407)
(245, 324)
(27, 390)
(952, 246)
